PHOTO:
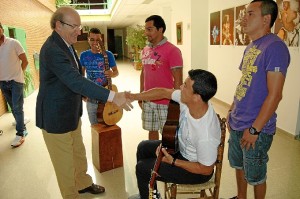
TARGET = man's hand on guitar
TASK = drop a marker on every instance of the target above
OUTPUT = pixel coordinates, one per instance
(167, 157)
(109, 73)
(121, 101)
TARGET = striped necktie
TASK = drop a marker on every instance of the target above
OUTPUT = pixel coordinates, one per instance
(73, 53)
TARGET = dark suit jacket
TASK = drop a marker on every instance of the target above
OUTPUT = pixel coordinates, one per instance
(59, 101)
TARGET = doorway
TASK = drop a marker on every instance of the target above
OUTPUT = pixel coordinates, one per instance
(119, 46)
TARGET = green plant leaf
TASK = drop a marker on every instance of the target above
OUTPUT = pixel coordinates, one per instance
(136, 39)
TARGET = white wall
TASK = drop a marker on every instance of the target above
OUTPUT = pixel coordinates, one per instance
(194, 17)
(181, 12)
(288, 114)
(223, 61)
(199, 32)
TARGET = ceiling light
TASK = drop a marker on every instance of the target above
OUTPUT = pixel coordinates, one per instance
(147, 2)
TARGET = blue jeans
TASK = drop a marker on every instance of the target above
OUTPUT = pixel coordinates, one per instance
(92, 112)
(253, 161)
(92, 109)
(13, 93)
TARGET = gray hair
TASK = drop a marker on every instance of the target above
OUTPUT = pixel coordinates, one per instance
(58, 15)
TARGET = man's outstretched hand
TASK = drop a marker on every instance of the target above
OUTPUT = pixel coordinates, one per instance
(123, 102)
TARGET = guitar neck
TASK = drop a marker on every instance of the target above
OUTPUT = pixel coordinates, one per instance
(169, 141)
(154, 173)
(106, 64)
(109, 83)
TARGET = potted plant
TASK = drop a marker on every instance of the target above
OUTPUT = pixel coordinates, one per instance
(62, 2)
(137, 41)
(28, 83)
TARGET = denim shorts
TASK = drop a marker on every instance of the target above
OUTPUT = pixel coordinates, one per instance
(254, 161)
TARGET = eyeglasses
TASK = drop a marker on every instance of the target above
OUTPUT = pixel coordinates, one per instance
(72, 26)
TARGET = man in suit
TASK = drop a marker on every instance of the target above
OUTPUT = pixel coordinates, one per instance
(59, 104)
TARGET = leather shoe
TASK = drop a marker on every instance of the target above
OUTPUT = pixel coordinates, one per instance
(93, 189)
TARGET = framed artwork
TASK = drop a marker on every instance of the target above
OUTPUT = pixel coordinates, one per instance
(287, 24)
(179, 33)
(215, 30)
(85, 29)
(241, 39)
(227, 26)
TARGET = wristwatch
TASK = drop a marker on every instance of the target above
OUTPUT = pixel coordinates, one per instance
(253, 131)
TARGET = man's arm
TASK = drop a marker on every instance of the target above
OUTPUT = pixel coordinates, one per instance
(120, 99)
(177, 75)
(227, 116)
(112, 73)
(24, 61)
(275, 82)
(193, 167)
(153, 94)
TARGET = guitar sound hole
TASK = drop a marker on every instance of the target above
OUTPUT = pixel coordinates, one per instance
(113, 112)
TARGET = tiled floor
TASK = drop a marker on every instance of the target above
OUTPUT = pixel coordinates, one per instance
(27, 172)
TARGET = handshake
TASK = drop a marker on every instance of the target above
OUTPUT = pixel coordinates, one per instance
(123, 100)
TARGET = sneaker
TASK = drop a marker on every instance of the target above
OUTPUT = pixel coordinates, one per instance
(135, 196)
(26, 120)
(18, 141)
(25, 133)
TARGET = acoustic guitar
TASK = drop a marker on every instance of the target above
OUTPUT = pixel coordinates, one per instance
(169, 142)
(111, 112)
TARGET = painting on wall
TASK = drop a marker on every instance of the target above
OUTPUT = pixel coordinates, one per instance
(215, 28)
(227, 26)
(287, 24)
(241, 38)
(179, 33)
(85, 29)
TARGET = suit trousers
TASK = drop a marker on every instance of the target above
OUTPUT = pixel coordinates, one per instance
(68, 156)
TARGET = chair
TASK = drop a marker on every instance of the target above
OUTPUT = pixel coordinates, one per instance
(210, 189)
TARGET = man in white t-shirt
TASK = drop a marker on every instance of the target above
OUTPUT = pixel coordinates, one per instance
(199, 135)
(13, 62)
